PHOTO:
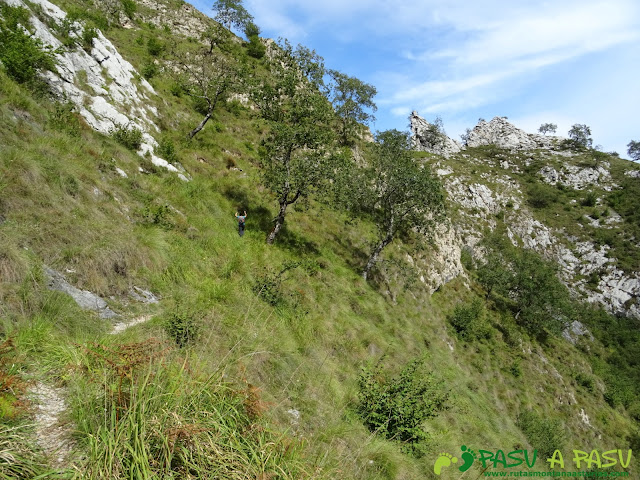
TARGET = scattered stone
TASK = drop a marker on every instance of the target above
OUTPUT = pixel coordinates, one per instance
(144, 296)
(85, 299)
(575, 331)
(295, 415)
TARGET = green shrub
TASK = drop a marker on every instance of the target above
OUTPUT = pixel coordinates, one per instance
(544, 434)
(64, 119)
(22, 55)
(469, 321)
(167, 150)
(154, 46)
(182, 327)
(466, 258)
(149, 70)
(585, 381)
(397, 407)
(130, 7)
(130, 138)
(88, 34)
(542, 195)
(157, 215)
(255, 47)
(589, 200)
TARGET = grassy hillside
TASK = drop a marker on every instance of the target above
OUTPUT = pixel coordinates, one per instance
(250, 364)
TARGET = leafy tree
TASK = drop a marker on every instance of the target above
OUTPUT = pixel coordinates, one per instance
(206, 75)
(351, 98)
(296, 153)
(548, 128)
(21, 54)
(397, 193)
(231, 13)
(634, 150)
(526, 284)
(580, 136)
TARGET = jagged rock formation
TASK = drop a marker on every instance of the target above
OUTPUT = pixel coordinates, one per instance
(104, 87)
(503, 134)
(426, 138)
(498, 192)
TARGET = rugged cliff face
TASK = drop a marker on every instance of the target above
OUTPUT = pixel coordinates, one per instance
(492, 175)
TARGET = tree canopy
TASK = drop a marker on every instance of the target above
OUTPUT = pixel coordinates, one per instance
(580, 136)
(231, 13)
(351, 99)
(206, 74)
(548, 128)
(634, 150)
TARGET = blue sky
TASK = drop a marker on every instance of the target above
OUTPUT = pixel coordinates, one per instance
(562, 61)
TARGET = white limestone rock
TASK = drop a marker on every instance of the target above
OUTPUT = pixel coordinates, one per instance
(503, 134)
(101, 84)
(423, 141)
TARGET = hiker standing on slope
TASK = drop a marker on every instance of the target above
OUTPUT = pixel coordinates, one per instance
(241, 219)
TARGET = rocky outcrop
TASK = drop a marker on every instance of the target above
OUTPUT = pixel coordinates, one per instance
(426, 137)
(578, 178)
(105, 88)
(85, 299)
(503, 134)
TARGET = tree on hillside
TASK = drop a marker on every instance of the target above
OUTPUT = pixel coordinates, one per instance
(634, 150)
(231, 13)
(580, 136)
(296, 152)
(548, 128)
(351, 98)
(527, 285)
(255, 48)
(397, 193)
(206, 75)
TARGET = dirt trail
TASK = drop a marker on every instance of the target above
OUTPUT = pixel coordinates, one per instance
(53, 436)
(122, 326)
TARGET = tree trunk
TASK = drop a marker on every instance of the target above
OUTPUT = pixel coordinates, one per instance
(284, 203)
(279, 222)
(374, 256)
(206, 118)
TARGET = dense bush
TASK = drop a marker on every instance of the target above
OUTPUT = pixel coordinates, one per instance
(469, 320)
(154, 46)
(397, 407)
(516, 277)
(22, 55)
(182, 327)
(129, 137)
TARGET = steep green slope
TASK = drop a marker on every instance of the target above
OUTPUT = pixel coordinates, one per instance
(249, 367)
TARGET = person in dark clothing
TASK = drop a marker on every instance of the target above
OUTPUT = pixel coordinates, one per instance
(241, 220)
